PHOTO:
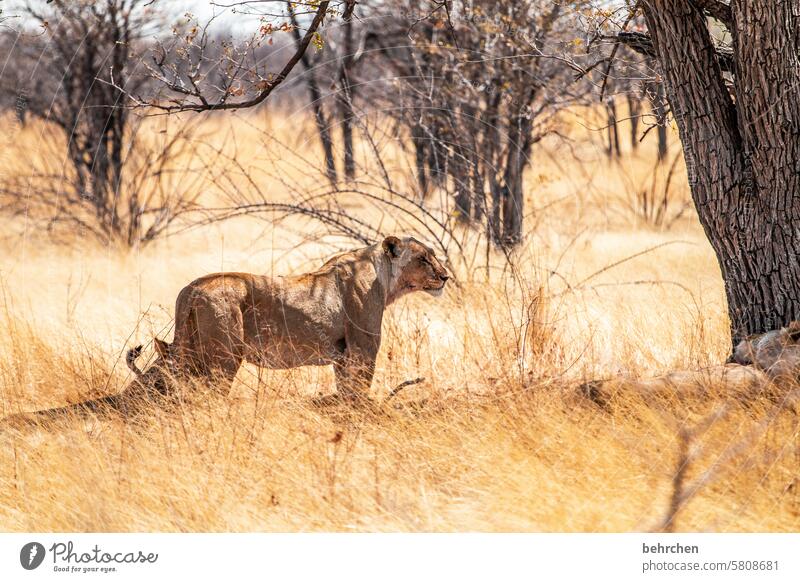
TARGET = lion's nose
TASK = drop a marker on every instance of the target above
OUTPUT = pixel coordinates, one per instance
(444, 276)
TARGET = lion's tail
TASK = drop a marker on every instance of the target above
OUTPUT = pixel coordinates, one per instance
(98, 406)
(130, 359)
(125, 402)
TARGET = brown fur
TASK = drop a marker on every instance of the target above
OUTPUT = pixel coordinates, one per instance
(735, 381)
(763, 363)
(150, 387)
(776, 353)
(331, 316)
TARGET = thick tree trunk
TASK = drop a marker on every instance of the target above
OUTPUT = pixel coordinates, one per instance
(766, 39)
(742, 158)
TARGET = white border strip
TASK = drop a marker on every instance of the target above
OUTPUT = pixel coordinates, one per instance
(404, 557)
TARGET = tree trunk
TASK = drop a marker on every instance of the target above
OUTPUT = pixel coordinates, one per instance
(661, 130)
(742, 157)
(495, 226)
(519, 146)
(477, 187)
(315, 95)
(463, 202)
(658, 103)
(635, 112)
(346, 93)
(613, 131)
(418, 139)
(463, 196)
(492, 156)
(661, 119)
(322, 126)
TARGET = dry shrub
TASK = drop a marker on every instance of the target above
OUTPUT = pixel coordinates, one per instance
(495, 439)
(37, 362)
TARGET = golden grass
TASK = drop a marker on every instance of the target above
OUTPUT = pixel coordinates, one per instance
(496, 439)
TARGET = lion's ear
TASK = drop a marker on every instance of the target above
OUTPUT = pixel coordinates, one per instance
(794, 331)
(162, 348)
(391, 246)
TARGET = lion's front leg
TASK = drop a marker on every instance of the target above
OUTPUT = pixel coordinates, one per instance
(355, 370)
(354, 378)
(353, 381)
(362, 340)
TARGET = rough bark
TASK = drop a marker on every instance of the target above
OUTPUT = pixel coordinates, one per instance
(716, 9)
(643, 44)
(742, 157)
(764, 284)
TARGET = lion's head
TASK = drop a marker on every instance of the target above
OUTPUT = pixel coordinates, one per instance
(414, 267)
(776, 352)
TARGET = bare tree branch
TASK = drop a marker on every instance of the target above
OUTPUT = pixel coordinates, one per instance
(222, 103)
(643, 44)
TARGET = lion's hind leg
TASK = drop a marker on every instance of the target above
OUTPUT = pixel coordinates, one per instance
(217, 348)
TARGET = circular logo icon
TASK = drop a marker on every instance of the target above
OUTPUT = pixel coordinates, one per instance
(31, 555)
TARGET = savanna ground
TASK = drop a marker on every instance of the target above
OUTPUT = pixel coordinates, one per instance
(495, 439)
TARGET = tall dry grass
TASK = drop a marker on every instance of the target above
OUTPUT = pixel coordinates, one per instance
(495, 439)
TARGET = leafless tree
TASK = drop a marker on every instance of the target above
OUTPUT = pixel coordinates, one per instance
(197, 69)
(190, 73)
(347, 89)
(316, 99)
(73, 62)
(476, 85)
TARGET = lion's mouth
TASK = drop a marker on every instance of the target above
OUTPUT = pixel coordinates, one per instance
(430, 288)
(435, 290)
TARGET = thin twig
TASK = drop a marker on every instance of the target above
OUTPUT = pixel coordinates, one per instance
(397, 389)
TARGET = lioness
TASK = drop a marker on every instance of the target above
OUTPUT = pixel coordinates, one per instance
(770, 359)
(330, 316)
(776, 352)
